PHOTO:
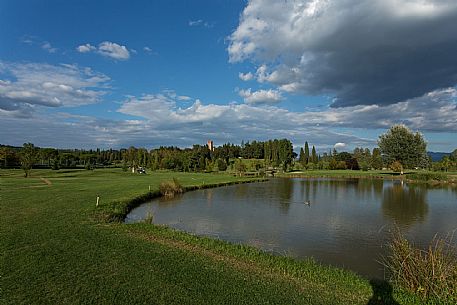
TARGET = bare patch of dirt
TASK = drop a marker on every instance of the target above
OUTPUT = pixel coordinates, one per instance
(49, 183)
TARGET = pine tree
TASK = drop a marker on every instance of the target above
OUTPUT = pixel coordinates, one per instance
(301, 157)
(376, 159)
(314, 155)
(306, 153)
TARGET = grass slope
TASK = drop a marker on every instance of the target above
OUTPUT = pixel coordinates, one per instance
(54, 251)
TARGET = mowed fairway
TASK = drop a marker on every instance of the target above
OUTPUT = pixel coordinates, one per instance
(54, 251)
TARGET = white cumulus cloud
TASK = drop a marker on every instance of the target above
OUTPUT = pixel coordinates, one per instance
(86, 48)
(113, 50)
(162, 119)
(37, 84)
(269, 96)
(339, 145)
(107, 49)
(195, 123)
(246, 76)
(369, 52)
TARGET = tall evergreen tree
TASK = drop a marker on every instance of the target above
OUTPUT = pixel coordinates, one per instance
(306, 153)
(301, 157)
(376, 159)
(314, 155)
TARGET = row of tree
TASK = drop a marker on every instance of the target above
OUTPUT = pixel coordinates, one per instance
(277, 153)
(11, 157)
(398, 146)
(361, 158)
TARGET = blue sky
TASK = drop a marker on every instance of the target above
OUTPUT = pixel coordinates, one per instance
(85, 74)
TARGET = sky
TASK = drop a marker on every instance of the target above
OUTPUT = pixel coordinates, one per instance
(337, 74)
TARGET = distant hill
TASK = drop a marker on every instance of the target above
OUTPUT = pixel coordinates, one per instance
(437, 156)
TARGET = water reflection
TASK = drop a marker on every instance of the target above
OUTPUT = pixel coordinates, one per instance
(285, 191)
(346, 224)
(240, 192)
(169, 201)
(404, 204)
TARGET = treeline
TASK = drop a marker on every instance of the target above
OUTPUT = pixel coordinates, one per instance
(361, 158)
(398, 148)
(447, 163)
(11, 157)
(276, 153)
(366, 159)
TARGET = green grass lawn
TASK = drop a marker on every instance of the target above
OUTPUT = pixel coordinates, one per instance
(54, 251)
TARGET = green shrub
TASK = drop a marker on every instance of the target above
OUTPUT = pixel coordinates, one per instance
(124, 166)
(55, 164)
(171, 188)
(396, 167)
(221, 165)
(341, 165)
(364, 166)
(240, 167)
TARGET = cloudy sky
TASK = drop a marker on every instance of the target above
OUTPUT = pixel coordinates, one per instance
(86, 74)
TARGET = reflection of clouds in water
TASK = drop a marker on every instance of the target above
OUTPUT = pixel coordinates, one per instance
(234, 231)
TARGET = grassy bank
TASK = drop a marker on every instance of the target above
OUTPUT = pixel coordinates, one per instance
(341, 174)
(54, 251)
(410, 175)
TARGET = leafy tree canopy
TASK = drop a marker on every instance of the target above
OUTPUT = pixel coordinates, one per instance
(401, 144)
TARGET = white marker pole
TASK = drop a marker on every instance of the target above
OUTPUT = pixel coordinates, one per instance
(98, 198)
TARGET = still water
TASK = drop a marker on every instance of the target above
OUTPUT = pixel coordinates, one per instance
(347, 222)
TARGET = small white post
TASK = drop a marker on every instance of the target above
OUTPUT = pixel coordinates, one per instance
(149, 188)
(98, 198)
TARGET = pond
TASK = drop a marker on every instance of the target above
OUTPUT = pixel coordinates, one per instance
(341, 222)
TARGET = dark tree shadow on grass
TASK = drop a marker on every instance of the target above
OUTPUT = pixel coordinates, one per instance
(382, 293)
